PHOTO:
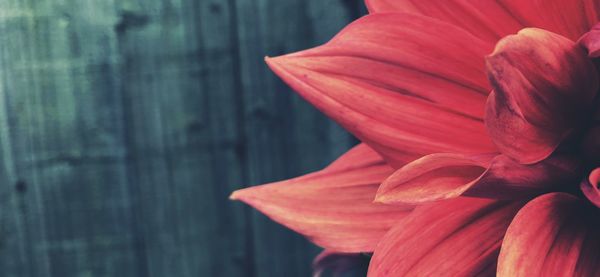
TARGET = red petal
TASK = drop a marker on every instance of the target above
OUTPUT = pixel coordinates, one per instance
(543, 89)
(554, 235)
(433, 177)
(334, 207)
(390, 80)
(568, 18)
(337, 263)
(442, 176)
(488, 20)
(591, 41)
(496, 19)
(458, 237)
(507, 179)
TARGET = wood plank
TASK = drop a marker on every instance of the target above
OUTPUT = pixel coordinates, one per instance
(67, 213)
(286, 137)
(183, 136)
(125, 125)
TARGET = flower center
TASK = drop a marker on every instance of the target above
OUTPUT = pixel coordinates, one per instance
(545, 103)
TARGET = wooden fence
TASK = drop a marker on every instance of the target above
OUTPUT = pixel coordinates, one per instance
(125, 125)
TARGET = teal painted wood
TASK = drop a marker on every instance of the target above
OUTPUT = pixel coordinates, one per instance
(125, 125)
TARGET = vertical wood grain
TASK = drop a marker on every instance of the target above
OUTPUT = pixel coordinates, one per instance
(125, 125)
(66, 210)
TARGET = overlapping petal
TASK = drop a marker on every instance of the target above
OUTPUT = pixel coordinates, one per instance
(334, 207)
(488, 20)
(591, 41)
(493, 19)
(554, 235)
(407, 85)
(458, 237)
(568, 18)
(544, 85)
(442, 176)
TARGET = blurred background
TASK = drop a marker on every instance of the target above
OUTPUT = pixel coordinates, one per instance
(126, 124)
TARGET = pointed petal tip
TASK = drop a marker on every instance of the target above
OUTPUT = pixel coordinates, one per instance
(276, 63)
(380, 199)
(234, 195)
(268, 59)
(241, 194)
(279, 66)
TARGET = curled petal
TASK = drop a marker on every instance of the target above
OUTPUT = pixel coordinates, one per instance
(458, 237)
(390, 80)
(334, 207)
(442, 176)
(433, 177)
(553, 235)
(544, 85)
(590, 189)
(337, 263)
(591, 41)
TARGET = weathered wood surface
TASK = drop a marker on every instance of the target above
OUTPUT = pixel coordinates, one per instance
(125, 125)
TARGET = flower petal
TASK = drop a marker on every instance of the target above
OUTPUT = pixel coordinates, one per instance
(458, 237)
(431, 178)
(590, 188)
(591, 41)
(488, 20)
(442, 176)
(334, 207)
(568, 18)
(554, 235)
(337, 263)
(390, 80)
(544, 85)
(498, 18)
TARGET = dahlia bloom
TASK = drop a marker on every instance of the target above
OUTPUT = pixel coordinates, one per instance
(480, 130)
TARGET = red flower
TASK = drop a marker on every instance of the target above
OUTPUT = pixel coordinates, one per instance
(475, 159)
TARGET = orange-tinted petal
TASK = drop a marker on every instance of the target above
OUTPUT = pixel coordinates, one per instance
(406, 85)
(334, 207)
(543, 89)
(554, 235)
(431, 178)
(442, 176)
(458, 237)
(488, 20)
